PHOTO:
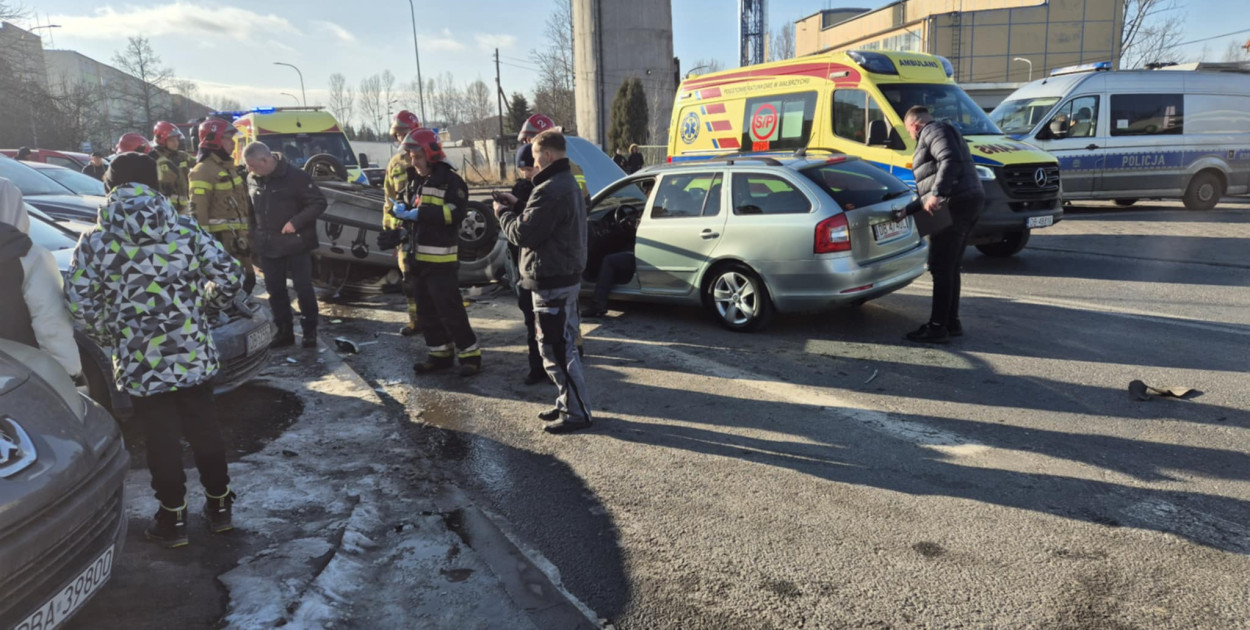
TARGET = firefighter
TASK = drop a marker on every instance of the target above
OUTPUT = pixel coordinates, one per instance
(132, 142)
(172, 164)
(394, 185)
(539, 123)
(432, 207)
(219, 200)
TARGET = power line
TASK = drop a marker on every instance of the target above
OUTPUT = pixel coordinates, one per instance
(1207, 39)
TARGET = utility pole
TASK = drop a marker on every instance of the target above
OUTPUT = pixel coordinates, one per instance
(416, 52)
(503, 169)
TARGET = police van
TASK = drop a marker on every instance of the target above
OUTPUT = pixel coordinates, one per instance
(1127, 135)
(854, 102)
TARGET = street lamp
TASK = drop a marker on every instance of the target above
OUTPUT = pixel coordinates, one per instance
(291, 95)
(417, 53)
(301, 80)
(1030, 66)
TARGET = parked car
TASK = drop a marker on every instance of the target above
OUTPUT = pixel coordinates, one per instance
(749, 236)
(242, 338)
(68, 159)
(47, 194)
(62, 474)
(77, 181)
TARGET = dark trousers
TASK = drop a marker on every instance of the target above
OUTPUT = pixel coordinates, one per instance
(616, 269)
(187, 413)
(299, 269)
(525, 302)
(946, 253)
(443, 318)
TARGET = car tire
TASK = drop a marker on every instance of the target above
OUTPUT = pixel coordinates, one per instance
(1008, 244)
(1124, 203)
(325, 167)
(737, 298)
(478, 231)
(99, 385)
(1204, 191)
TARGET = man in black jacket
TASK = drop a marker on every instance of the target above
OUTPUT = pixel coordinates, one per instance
(551, 232)
(947, 181)
(283, 225)
(96, 166)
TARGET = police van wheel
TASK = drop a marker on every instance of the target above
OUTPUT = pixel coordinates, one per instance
(1124, 203)
(737, 298)
(1204, 191)
(1008, 244)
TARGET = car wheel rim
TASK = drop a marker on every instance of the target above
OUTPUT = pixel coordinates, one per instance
(473, 226)
(736, 299)
(1206, 192)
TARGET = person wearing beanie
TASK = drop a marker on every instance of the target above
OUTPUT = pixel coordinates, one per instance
(143, 254)
(96, 166)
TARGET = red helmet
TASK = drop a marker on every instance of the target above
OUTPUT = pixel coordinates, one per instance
(164, 131)
(533, 126)
(426, 140)
(405, 122)
(133, 142)
(213, 131)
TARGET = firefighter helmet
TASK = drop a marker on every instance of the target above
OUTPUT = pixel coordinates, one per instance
(133, 142)
(533, 126)
(164, 131)
(213, 131)
(405, 122)
(427, 141)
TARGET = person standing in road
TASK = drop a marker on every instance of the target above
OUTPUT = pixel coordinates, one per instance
(39, 319)
(947, 181)
(633, 163)
(96, 166)
(433, 206)
(283, 225)
(139, 283)
(172, 163)
(219, 195)
(525, 298)
(551, 232)
(393, 186)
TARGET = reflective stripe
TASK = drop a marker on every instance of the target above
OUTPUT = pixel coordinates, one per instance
(472, 351)
(200, 188)
(432, 200)
(428, 249)
(447, 214)
(224, 227)
(433, 192)
(442, 352)
(431, 258)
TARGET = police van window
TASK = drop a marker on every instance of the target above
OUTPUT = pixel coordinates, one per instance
(757, 193)
(683, 195)
(853, 110)
(1078, 118)
(782, 121)
(1147, 114)
(1217, 113)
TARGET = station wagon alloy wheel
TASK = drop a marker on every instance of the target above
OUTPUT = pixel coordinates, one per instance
(739, 300)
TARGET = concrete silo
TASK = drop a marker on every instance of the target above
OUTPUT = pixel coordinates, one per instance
(614, 41)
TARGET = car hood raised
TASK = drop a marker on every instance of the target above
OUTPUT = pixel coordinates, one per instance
(600, 170)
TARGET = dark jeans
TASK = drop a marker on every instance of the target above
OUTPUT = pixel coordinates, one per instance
(442, 316)
(299, 269)
(615, 269)
(946, 253)
(187, 413)
(525, 301)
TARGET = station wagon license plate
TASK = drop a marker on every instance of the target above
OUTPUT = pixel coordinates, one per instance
(55, 611)
(887, 231)
(1036, 222)
(258, 340)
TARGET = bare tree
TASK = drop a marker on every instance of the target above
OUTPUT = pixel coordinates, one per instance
(1152, 30)
(222, 103)
(147, 96)
(704, 66)
(1237, 53)
(342, 100)
(372, 108)
(781, 44)
(386, 84)
(553, 95)
(448, 100)
(479, 102)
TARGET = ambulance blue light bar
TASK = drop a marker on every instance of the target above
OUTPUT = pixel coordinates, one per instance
(264, 110)
(1088, 67)
(873, 62)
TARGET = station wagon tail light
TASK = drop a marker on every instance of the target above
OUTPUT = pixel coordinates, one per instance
(833, 235)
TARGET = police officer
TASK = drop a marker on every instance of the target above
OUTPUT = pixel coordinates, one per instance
(173, 164)
(219, 198)
(394, 185)
(433, 205)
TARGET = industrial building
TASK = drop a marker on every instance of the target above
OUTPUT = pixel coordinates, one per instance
(988, 41)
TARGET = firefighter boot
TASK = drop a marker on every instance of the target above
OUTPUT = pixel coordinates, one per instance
(434, 363)
(470, 366)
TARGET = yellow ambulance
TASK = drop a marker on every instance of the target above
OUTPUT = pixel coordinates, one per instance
(854, 102)
(300, 134)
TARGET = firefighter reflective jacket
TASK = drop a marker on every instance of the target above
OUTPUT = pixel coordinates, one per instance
(174, 168)
(218, 196)
(395, 185)
(441, 200)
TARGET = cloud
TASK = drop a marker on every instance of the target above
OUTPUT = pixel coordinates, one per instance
(257, 95)
(179, 18)
(444, 41)
(488, 41)
(341, 33)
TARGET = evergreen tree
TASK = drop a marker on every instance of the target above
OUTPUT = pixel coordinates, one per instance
(518, 111)
(629, 116)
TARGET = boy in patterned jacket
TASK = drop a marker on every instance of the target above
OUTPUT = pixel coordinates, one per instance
(139, 284)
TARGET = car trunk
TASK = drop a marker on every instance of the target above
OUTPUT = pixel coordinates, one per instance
(876, 236)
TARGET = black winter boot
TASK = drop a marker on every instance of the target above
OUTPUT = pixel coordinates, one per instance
(220, 511)
(434, 364)
(285, 337)
(310, 338)
(169, 527)
(470, 366)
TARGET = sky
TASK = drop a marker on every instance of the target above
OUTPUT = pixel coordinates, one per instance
(229, 46)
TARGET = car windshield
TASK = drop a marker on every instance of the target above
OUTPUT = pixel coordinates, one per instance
(298, 147)
(80, 183)
(30, 181)
(946, 102)
(855, 184)
(47, 234)
(1022, 115)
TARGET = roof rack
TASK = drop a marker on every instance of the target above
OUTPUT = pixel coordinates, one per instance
(802, 153)
(727, 159)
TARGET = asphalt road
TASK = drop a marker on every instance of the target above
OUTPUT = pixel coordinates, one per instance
(827, 474)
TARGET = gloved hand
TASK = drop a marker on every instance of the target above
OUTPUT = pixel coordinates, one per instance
(390, 239)
(403, 212)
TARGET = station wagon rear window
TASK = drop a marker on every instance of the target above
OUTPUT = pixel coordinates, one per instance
(782, 121)
(855, 184)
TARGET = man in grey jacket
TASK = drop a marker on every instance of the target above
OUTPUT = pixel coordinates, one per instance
(551, 232)
(947, 181)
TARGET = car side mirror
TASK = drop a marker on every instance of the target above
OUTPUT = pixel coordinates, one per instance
(878, 133)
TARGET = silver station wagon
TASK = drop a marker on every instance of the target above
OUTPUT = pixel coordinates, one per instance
(749, 236)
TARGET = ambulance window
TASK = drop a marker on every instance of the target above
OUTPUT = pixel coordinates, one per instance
(852, 111)
(1147, 114)
(782, 121)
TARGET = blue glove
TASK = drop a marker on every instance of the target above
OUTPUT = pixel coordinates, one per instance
(403, 212)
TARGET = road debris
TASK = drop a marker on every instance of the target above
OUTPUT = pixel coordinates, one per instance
(1142, 391)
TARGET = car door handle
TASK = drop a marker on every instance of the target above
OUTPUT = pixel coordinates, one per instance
(707, 234)
(1091, 147)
